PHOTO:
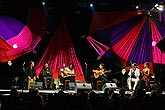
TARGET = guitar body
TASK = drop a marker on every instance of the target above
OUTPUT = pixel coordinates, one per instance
(65, 73)
(68, 74)
(98, 73)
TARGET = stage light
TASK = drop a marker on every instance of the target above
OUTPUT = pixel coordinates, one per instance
(43, 3)
(91, 5)
(15, 46)
(153, 43)
(9, 63)
(159, 7)
(137, 7)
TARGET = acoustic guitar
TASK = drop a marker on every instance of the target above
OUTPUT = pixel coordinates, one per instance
(66, 73)
(98, 73)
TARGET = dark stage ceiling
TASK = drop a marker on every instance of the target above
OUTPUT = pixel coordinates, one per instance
(55, 6)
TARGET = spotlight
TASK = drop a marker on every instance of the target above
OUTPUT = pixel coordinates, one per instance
(153, 43)
(137, 7)
(43, 3)
(15, 46)
(9, 63)
(91, 5)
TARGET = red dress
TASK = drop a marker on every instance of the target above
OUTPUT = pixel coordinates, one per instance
(146, 78)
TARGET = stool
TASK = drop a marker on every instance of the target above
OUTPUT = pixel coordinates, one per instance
(65, 85)
(98, 82)
(29, 81)
(49, 82)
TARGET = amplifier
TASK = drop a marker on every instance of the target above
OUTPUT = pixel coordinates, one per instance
(109, 85)
(84, 86)
(37, 85)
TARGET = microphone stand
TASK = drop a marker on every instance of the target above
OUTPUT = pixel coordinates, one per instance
(86, 68)
(23, 83)
(131, 78)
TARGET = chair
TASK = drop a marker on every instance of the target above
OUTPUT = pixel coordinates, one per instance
(65, 84)
(29, 81)
(49, 82)
(98, 82)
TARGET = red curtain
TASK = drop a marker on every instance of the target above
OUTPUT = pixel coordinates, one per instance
(102, 20)
(4, 47)
(60, 51)
(100, 48)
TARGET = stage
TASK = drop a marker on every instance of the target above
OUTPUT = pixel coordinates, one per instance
(6, 92)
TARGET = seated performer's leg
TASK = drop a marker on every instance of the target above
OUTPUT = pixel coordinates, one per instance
(45, 82)
(51, 82)
(103, 81)
(129, 83)
(72, 78)
(93, 82)
(124, 83)
(136, 80)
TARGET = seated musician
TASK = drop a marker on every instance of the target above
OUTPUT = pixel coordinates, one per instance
(46, 74)
(100, 74)
(67, 73)
(122, 77)
(134, 74)
(30, 74)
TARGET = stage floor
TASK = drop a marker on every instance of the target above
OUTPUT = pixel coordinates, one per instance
(5, 92)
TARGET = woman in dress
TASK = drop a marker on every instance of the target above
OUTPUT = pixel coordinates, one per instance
(146, 75)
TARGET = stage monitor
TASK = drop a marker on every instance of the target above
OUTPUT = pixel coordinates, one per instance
(109, 85)
(83, 87)
(36, 85)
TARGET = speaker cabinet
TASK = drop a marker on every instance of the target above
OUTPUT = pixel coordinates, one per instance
(161, 44)
(72, 86)
(110, 86)
(36, 85)
(83, 87)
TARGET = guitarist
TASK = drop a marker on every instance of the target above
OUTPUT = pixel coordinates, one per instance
(100, 74)
(67, 73)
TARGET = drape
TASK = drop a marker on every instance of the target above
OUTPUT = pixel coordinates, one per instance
(60, 52)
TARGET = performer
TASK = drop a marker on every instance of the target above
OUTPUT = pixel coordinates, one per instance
(134, 74)
(146, 75)
(30, 73)
(46, 74)
(122, 77)
(67, 73)
(100, 74)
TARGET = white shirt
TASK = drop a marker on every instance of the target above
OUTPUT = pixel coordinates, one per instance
(136, 72)
(68, 70)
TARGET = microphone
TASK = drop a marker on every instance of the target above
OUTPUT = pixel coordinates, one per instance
(23, 63)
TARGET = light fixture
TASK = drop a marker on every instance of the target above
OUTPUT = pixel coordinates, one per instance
(9, 63)
(15, 46)
(153, 43)
(91, 5)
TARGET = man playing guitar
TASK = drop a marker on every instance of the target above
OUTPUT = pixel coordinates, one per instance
(67, 73)
(100, 74)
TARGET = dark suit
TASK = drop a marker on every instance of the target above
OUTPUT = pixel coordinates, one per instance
(122, 79)
(46, 74)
